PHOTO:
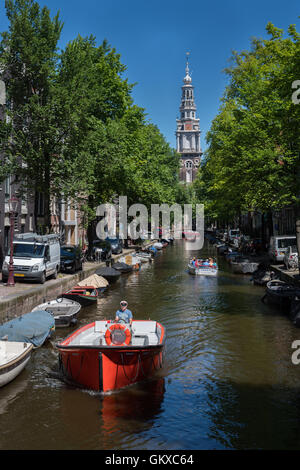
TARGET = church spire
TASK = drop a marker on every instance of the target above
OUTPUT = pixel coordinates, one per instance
(187, 78)
(188, 130)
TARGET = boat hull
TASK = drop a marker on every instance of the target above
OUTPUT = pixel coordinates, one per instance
(83, 300)
(244, 268)
(11, 369)
(203, 271)
(281, 294)
(64, 310)
(105, 368)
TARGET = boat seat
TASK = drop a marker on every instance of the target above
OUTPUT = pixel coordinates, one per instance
(142, 328)
(99, 326)
(139, 341)
(152, 338)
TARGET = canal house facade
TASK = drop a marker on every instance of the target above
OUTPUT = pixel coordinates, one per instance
(188, 132)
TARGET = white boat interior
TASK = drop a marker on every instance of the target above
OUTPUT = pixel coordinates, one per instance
(143, 333)
(11, 350)
(60, 307)
(132, 260)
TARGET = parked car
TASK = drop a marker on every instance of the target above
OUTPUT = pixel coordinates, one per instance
(101, 250)
(70, 258)
(290, 258)
(116, 245)
(279, 245)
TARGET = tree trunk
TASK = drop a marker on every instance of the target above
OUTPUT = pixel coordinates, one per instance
(297, 216)
(91, 227)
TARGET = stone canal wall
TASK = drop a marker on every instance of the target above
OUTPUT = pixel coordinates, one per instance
(20, 301)
(288, 276)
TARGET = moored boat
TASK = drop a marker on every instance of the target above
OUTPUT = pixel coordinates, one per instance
(295, 311)
(281, 293)
(110, 274)
(34, 327)
(242, 265)
(152, 250)
(14, 355)
(85, 295)
(99, 282)
(232, 255)
(132, 260)
(123, 267)
(64, 310)
(262, 275)
(158, 245)
(106, 355)
(144, 257)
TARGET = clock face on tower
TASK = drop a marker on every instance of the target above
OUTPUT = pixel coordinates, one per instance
(188, 126)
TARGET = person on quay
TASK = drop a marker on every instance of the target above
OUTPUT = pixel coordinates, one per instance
(124, 313)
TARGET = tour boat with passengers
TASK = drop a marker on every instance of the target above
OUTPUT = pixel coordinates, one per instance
(108, 355)
(203, 267)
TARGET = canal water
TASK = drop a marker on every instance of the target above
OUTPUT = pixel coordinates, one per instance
(228, 381)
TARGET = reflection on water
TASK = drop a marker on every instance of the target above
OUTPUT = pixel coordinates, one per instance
(227, 381)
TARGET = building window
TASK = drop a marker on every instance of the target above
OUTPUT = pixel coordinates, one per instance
(7, 188)
(188, 175)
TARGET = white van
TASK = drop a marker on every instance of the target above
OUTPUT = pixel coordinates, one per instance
(279, 245)
(35, 257)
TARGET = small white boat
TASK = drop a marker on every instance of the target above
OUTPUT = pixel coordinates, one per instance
(132, 260)
(64, 311)
(158, 245)
(14, 356)
(204, 270)
(144, 257)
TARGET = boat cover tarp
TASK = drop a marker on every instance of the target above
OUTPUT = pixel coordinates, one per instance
(122, 266)
(33, 327)
(111, 272)
(94, 280)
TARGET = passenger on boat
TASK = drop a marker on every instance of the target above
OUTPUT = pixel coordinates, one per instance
(205, 263)
(194, 261)
(124, 313)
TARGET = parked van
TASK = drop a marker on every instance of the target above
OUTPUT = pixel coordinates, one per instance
(279, 245)
(35, 257)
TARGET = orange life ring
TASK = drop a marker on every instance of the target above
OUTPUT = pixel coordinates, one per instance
(117, 326)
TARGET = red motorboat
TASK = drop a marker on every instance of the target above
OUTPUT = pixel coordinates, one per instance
(106, 355)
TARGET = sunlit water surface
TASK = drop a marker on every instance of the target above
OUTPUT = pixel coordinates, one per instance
(228, 381)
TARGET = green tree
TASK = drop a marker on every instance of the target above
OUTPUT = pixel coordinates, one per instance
(253, 154)
(29, 58)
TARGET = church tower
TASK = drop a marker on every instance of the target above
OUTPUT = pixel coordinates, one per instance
(188, 131)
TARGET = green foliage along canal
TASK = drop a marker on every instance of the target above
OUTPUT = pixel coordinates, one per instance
(228, 381)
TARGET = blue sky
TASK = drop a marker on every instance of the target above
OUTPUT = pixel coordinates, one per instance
(153, 37)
